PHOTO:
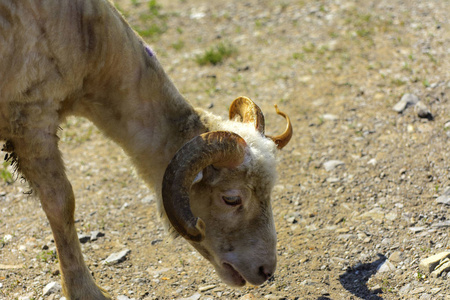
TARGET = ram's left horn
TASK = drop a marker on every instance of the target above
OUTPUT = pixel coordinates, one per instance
(247, 112)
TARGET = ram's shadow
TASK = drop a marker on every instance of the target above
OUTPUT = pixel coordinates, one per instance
(355, 279)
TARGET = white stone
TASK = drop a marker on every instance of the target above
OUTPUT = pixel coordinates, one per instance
(148, 199)
(387, 266)
(422, 110)
(417, 229)
(405, 289)
(329, 117)
(332, 164)
(447, 125)
(206, 288)
(443, 266)
(96, 234)
(372, 162)
(51, 288)
(7, 238)
(195, 296)
(117, 257)
(405, 101)
(122, 297)
(445, 198)
(427, 265)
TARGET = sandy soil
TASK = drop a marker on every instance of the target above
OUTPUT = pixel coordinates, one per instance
(357, 231)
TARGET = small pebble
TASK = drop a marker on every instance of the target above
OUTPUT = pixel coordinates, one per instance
(96, 234)
(248, 297)
(206, 288)
(428, 264)
(447, 125)
(195, 296)
(372, 162)
(406, 101)
(332, 164)
(329, 117)
(405, 289)
(445, 198)
(387, 266)
(396, 257)
(122, 297)
(84, 238)
(148, 199)
(423, 111)
(51, 288)
(416, 229)
(117, 257)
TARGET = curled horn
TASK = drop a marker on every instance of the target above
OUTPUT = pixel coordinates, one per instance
(248, 112)
(284, 138)
(218, 148)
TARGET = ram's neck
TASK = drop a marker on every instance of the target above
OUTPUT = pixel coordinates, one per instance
(127, 94)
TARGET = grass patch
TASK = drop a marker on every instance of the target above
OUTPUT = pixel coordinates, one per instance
(216, 55)
(398, 82)
(178, 45)
(155, 18)
(5, 174)
(298, 56)
(154, 8)
(309, 48)
(153, 30)
(46, 256)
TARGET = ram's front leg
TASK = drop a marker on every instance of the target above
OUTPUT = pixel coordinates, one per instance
(39, 160)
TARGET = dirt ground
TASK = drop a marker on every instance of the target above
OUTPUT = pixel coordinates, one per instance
(355, 231)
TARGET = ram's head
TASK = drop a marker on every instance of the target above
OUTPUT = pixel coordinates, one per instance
(216, 194)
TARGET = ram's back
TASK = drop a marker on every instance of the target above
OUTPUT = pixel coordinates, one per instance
(53, 53)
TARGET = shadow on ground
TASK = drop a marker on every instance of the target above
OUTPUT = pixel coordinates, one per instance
(355, 279)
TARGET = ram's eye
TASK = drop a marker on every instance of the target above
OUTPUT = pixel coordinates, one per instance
(232, 200)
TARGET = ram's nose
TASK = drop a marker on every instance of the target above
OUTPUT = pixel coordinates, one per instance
(262, 273)
(266, 272)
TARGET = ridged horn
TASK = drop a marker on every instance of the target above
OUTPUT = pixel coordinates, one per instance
(218, 148)
(248, 112)
(284, 138)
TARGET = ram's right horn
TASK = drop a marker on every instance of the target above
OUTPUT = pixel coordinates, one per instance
(284, 138)
(222, 149)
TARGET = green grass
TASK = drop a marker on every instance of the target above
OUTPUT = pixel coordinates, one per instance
(5, 174)
(46, 256)
(298, 56)
(216, 55)
(152, 30)
(398, 82)
(154, 8)
(178, 45)
(153, 22)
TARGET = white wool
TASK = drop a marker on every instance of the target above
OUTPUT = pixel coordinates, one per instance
(262, 149)
(261, 146)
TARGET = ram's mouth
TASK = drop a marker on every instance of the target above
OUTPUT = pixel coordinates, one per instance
(236, 277)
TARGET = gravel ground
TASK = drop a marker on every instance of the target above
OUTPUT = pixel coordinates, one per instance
(361, 199)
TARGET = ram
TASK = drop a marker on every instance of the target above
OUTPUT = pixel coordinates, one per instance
(213, 177)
